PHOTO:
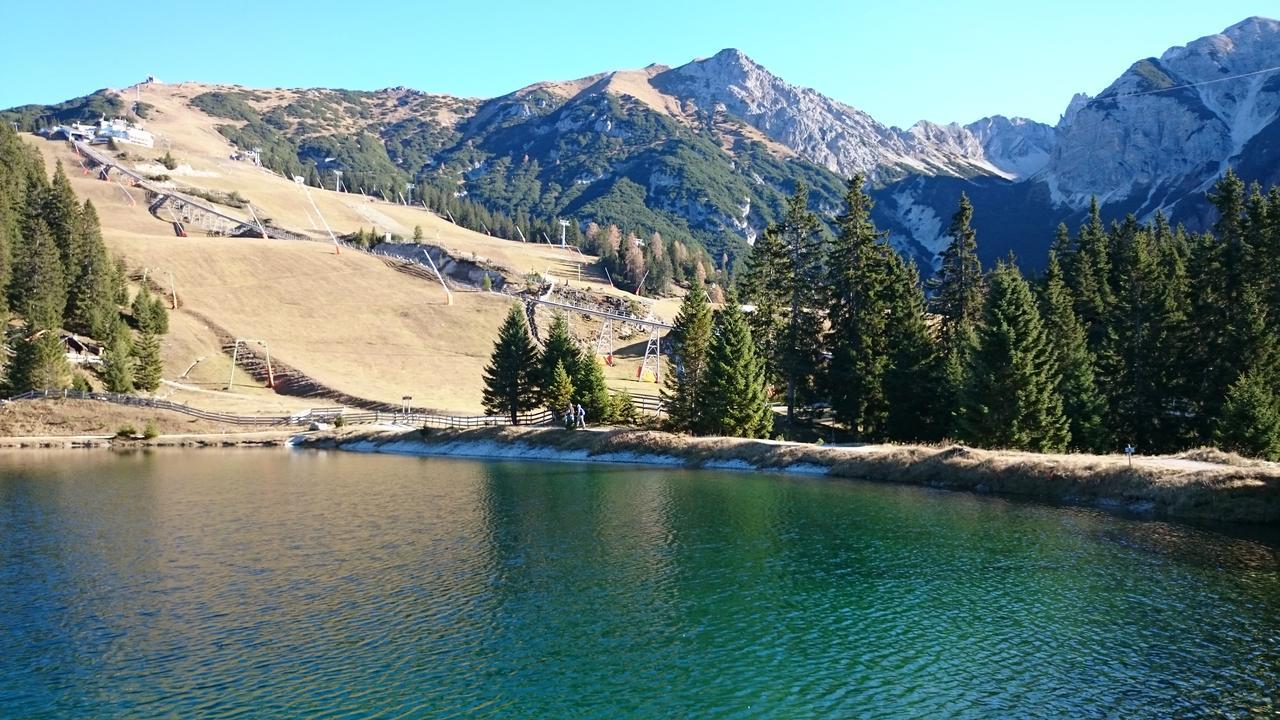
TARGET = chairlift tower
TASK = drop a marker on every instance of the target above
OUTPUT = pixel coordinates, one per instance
(604, 342)
(564, 226)
(652, 355)
(337, 181)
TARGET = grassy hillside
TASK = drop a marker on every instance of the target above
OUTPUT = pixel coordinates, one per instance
(349, 321)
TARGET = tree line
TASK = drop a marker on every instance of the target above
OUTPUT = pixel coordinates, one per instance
(521, 377)
(1135, 333)
(57, 275)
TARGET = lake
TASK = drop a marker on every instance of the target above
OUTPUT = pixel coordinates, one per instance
(277, 584)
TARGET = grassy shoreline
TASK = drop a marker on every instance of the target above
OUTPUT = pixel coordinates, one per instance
(1199, 487)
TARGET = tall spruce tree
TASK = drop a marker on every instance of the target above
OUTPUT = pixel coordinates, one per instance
(39, 287)
(1140, 352)
(511, 377)
(911, 382)
(856, 280)
(958, 302)
(1083, 403)
(91, 301)
(733, 393)
(590, 391)
(117, 365)
(559, 350)
(690, 341)
(1089, 275)
(1011, 399)
(765, 286)
(61, 212)
(148, 367)
(785, 279)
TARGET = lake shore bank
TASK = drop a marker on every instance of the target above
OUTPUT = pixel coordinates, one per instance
(1195, 486)
(271, 438)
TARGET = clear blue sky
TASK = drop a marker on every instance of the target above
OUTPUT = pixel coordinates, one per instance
(940, 60)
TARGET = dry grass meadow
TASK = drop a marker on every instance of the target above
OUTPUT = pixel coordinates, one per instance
(348, 320)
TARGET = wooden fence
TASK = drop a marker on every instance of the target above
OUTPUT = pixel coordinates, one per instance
(306, 417)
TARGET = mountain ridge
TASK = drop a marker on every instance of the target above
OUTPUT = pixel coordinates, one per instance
(711, 147)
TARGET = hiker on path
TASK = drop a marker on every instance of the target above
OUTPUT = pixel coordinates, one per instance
(582, 416)
(567, 417)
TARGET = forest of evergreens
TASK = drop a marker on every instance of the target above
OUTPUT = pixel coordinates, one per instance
(1136, 333)
(58, 276)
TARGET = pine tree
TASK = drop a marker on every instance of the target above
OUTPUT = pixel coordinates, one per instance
(39, 287)
(1218, 284)
(559, 393)
(733, 394)
(91, 301)
(624, 410)
(559, 350)
(911, 382)
(765, 287)
(801, 349)
(690, 341)
(1250, 422)
(1083, 404)
(1089, 272)
(1011, 399)
(857, 276)
(957, 300)
(590, 391)
(510, 378)
(149, 312)
(39, 362)
(148, 366)
(61, 212)
(117, 366)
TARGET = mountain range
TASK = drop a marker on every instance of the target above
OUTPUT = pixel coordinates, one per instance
(711, 148)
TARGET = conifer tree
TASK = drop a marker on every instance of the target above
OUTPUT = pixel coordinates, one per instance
(958, 293)
(559, 393)
(149, 312)
(91, 301)
(1139, 356)
(624, 410)
(733, 394)
(1011, 399)
(559, 350)
(61, 212)
(857, 276)
(911, 382)
(39, 362)
(39, 286)
(1250, 422)
(765, 287)
(148, 366)
(801, 349)
(1083, 403)
(510, 378)
(1089, 271)
(117, 365)
(690, 341)
(590, 391)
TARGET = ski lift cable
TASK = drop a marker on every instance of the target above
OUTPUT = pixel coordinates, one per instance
(1191, 85)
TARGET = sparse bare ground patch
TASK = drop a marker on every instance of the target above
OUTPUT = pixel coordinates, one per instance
(42, 418)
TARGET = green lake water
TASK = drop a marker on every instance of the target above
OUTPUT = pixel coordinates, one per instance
(262, 584)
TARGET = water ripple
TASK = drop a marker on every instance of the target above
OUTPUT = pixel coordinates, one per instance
(263, 585)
